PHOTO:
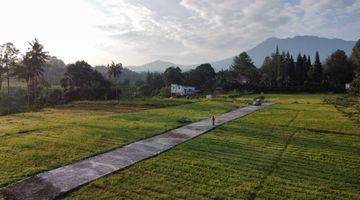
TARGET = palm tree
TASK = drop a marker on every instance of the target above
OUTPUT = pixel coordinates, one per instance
(31, 68)
(114, 72)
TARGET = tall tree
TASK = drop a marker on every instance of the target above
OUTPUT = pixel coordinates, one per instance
(54, 70)
(318, 69)
(114, 72)
(202, 77)
(154, 82)
(243, 65)
(355, 56)
(1, 70)
(173, 75)
(8, 59)
(31, 68)
(82, 82)
(338, 70)
(305, 68)
(225, 80)
(279, 60)
(268, 73)
(290, 69)
(299, 69)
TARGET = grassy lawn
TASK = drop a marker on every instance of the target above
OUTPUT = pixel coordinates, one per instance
(34, 142)
(297, 149)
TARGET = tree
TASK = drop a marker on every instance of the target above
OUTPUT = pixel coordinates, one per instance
(114, 72)
(155, 82)
(54, 70)
(243, 65)
(305, 68)
(268, 73)
(202, 77)
(355, 55)
(318, 69)
(8, 59)
(338, 70)
(355, 85)
(31, 68)
(289, 70)
(145, 90)
(225, 80)
(82, 82)
(299, 70)
(173, 75)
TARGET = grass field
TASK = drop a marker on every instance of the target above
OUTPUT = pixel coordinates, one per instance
(297, 149)
(34, 142)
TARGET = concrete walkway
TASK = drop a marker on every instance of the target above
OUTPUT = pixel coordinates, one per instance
(51, 184)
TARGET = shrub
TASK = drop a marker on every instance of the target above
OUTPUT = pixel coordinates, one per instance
(355, 86)
(13, 103)
(165, 92)
(55, 97)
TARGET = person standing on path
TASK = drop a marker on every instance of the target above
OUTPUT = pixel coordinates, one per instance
(213, 120)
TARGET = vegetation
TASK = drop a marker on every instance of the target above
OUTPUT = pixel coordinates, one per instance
(338, 70)
(82, 82)
(31, 69)
(287, 151)
(348, 105)
(8, 59)
(355, 56)
(49, 81)
(202, 77)
(39, 141)
(114, 72)
(355, 85)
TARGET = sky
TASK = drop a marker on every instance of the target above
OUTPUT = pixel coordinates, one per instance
(135, 32)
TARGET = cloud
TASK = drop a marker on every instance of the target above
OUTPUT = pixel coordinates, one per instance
(182, 31)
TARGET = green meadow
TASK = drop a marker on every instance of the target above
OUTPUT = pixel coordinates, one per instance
(299, 148)
(39, 141)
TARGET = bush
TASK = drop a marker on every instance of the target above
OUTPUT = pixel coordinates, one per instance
(355, 86)
(338, 101)
(165, 92)
(13, 103)
(55, 97)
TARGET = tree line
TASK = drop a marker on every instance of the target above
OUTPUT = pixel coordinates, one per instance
(280, 72)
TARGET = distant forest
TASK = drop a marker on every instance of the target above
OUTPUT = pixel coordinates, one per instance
(37, 79)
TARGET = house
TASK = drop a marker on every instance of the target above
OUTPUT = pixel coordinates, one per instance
(243, 80)
(182, 90)
(347, 86)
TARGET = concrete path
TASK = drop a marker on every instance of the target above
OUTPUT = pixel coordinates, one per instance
(51, 184)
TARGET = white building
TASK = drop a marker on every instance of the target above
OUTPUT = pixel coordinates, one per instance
(182, 90)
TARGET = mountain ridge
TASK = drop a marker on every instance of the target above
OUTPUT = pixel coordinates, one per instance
(306, 44)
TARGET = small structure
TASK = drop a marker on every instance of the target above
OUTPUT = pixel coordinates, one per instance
(181, 90)
(241, 79)
(347, 86)
(218, 90)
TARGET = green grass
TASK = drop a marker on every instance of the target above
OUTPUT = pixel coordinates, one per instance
(34, 142)
(297, 149)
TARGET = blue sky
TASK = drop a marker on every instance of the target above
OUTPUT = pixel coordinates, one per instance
(182, 31)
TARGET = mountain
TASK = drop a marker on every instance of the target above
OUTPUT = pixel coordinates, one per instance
(305, 44)
(158, 66)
